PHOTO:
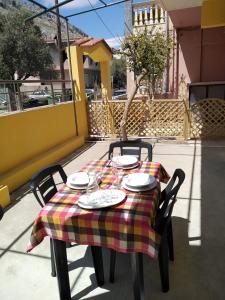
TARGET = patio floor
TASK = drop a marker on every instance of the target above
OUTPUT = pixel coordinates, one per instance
(199, 235)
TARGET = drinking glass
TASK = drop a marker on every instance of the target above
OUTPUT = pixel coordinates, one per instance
(92, 183)
(117, 172)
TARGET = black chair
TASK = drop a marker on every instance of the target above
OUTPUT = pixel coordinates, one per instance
(163, 226)
(131, 147)
(1, 212)
(44, 188)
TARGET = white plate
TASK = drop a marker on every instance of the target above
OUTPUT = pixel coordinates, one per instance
(75, 187)
(101, 199)
(125, 160)
(78, 179)
(143, 189)
(139, 180)
(130, 167)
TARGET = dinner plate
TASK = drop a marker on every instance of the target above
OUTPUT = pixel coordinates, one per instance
(76, 187)
(130, 167)
(139, 180)
(125, 161)
(101, 199)
(80, 181)
(142, 189)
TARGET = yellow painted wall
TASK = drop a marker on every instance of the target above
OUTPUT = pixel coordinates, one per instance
(106, 80)
(213, 13)
(98, 52)
(78, 77)
(32, 139)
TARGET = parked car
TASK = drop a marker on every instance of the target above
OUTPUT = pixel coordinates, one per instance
(89, 94)
(119, 94)
(38, 95)
(37, 98)
(3, 102)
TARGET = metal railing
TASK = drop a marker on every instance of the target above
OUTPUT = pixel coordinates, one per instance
(18, 95)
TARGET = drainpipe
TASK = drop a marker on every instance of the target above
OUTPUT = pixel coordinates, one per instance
(200, 75)
(168, 63)
(177, 63)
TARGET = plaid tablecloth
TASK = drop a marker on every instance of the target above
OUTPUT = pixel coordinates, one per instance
(124, 228)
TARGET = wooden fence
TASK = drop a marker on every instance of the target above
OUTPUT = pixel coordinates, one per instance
(159, 118)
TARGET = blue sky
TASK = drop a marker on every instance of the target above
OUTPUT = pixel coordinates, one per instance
(90, 23)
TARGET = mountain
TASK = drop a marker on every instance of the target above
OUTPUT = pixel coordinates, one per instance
(46, 22)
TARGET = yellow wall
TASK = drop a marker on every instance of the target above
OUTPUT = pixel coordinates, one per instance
(78, 77)
(213, 13)
(106, 80)
(32, 139)
(98, 52)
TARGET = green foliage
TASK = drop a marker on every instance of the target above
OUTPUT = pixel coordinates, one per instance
(22, 48)
(147, 50)
(119, 73)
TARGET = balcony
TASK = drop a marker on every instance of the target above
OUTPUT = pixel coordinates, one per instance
(147, 14)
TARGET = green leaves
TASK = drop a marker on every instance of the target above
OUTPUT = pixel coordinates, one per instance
(22, 48)
(147, 50)
(119, 73)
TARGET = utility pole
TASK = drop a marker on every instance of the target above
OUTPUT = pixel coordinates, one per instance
(59, 45)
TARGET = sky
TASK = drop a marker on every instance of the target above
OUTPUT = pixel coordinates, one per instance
(90, 23)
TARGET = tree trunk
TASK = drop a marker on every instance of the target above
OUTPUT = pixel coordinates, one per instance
(128, 104)
(12, 97)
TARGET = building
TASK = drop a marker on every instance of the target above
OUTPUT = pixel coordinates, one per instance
(91, 68)
(197, 29)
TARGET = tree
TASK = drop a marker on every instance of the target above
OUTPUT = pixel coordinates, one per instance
(119, 73)
(22, 49)
(147, 54)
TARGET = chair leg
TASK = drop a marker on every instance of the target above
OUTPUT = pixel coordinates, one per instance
(98, 264)
(68, 245)
(53, 273)
(137, 273)
(164, 264)
(170, 241)
(112, 265)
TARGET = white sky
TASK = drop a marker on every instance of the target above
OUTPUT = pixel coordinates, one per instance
(72, 4)
(114, 42)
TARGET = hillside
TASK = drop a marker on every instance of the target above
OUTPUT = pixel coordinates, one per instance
(46, 22)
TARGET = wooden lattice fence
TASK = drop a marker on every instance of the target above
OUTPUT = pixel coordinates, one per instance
(208, 118)
(159, 118)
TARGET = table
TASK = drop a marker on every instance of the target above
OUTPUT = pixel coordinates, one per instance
(126, 227)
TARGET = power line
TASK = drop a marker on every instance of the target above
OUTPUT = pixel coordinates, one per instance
(125, 23)
(100, 18)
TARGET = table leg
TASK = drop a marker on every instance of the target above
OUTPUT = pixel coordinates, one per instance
(137, 273)
(98, 264)
(62, 269)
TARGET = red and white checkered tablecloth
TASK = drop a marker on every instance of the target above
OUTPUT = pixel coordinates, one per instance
(124, 228)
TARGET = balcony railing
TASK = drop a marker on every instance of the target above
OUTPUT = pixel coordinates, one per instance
(148, 13)
(25, 94)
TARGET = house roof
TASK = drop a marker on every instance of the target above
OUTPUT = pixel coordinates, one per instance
(89, 42)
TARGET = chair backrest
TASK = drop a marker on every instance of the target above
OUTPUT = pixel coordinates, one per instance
(131, 147)
(43, 182)
(167, 201)
(1, 212)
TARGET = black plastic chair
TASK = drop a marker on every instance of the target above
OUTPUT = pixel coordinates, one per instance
(1, 212)
(131, 147)
(44, 188)
(163, 226)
